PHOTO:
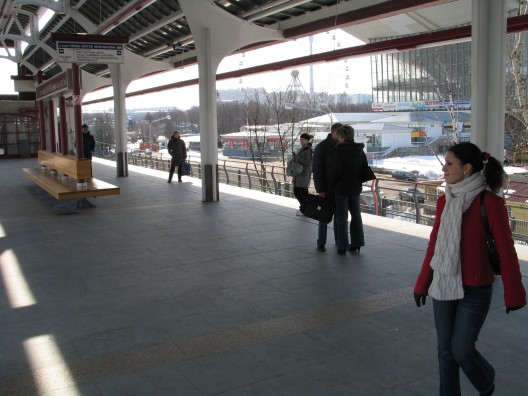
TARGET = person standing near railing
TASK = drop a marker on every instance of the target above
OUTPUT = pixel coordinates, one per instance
(88, 142)
(178, 153)
(302, 182)
(347, 186)
(323, 167)
(456, 271)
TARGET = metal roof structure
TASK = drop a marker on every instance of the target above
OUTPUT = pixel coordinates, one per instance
(159, 30)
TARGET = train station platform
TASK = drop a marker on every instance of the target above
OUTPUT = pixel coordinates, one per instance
(155, 293)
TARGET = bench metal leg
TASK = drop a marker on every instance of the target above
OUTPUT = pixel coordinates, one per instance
(83, 203)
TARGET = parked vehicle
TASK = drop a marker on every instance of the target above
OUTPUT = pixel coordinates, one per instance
(402, 175)
(407, 194)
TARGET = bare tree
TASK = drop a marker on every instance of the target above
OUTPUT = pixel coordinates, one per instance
(284, 120)
(180, 121)
(193, 117)
(103, 128)
(257, 116)
(516, 118)
(230, 116)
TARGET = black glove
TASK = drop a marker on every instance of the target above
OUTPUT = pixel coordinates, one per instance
(508, 309)
(420, 299)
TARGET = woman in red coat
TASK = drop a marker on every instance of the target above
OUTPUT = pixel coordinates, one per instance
(456, 271)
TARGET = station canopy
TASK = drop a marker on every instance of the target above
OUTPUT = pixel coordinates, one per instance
(159, 30)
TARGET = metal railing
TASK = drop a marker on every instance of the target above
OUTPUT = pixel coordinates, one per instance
(267, 177)
(381, 197)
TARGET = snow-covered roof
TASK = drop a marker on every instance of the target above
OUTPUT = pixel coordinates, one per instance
(375, 126)
(388, 117)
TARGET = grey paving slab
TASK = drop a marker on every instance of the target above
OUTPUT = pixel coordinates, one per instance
(156, 293)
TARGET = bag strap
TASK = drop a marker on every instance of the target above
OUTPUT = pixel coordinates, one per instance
(490, 242)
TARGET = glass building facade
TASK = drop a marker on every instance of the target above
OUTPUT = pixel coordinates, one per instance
(435, 73)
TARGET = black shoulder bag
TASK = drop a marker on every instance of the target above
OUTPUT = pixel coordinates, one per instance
(493, 254)
(366, 171)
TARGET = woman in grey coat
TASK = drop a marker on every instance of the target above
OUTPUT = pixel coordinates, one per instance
(302, 181)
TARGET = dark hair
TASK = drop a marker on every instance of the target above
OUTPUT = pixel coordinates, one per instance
(347, 132)
(335, 127)
(469, 153)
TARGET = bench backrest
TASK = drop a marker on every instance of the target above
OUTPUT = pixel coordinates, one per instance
(66, 164)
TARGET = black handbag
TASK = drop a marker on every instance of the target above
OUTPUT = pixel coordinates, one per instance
(493, 254)
(320, 209)
(366, 172)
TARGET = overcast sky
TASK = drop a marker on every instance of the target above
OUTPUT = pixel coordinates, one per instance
(329, 77)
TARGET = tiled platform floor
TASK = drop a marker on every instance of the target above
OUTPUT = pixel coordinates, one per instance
(156, 293)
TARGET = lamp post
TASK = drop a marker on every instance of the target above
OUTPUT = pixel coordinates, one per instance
(150, 128)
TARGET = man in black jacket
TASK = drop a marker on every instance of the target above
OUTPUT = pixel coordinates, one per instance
(88, 142)
(323, 166)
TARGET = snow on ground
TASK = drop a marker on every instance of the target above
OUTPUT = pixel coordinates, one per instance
(428, 166)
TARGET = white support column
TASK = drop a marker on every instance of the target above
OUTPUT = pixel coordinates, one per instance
(216, 34)
(488, 60)
(120, 119)
(208, 115)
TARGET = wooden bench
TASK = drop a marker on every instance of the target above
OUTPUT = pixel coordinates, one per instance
(61, 175)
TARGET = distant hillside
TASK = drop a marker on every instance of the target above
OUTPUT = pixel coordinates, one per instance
(238, 95)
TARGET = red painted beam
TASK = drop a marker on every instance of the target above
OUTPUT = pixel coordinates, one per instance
(517, 24)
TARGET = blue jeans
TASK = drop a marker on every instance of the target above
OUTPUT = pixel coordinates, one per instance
(458, 325)
(323, 228)
(345, 204)
(322, 232)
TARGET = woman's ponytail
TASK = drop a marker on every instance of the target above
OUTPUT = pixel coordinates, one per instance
(494, 174)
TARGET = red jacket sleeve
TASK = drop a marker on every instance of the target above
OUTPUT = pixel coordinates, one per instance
(514, 293)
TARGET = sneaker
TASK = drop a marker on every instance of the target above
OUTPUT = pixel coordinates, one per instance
(299, 213)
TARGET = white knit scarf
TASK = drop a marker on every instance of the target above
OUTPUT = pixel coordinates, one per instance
(447, 277)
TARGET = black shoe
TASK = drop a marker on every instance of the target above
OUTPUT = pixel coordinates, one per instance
(180, 180)
(341, 252)
(354, 249)
(168, 181)
(321, 248)
(488, 393)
